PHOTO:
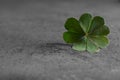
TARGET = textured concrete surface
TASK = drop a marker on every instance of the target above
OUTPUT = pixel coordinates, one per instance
(31, 45)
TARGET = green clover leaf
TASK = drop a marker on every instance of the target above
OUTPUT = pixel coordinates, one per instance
(88, 33)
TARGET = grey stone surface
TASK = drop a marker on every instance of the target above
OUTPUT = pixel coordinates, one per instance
(32, 48)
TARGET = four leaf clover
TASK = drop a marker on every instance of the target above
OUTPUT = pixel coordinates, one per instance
(88, 33)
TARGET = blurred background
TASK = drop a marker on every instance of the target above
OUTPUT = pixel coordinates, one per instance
(39, 18)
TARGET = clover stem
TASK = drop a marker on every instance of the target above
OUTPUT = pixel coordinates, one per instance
(86, 34)
(86, 41)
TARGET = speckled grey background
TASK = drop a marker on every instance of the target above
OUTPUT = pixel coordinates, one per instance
(32, 48)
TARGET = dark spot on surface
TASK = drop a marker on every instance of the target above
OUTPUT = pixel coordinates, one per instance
(52, 47)
(17, 77)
